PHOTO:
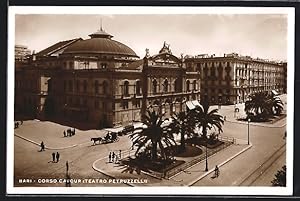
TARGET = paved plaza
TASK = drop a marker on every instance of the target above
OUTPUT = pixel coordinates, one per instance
(240, 164)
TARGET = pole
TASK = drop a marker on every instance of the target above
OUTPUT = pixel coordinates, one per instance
(206, 164)
(248, 130)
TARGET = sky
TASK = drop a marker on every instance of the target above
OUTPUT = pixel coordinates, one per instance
(255, 35)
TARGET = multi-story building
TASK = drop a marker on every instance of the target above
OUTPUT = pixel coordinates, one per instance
(21, 52)
(231, 78)
(103, 82)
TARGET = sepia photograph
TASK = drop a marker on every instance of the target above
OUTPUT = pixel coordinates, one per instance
(189, 98)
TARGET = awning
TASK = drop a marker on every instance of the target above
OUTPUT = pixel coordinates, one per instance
(190, 105)
(275, 92)
(196, 103)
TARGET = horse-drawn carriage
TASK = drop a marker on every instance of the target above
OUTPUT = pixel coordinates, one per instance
(110, 137)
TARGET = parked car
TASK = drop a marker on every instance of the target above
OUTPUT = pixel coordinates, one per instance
(128, 129)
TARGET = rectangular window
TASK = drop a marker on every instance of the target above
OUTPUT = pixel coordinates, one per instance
(137, 103)
(103, 106)
(125, 104)
(84, 86)
(84, 102)
(70, 86)
(71, 66)
(65, 85)
(96, 104)
(77, 85)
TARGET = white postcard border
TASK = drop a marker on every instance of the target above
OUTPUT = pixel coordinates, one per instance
(288, 190)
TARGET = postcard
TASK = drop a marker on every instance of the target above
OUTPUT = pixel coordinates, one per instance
(150, 100)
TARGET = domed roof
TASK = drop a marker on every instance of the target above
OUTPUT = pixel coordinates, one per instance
(100, 43)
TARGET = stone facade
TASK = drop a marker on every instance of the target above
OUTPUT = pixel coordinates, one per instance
(103, 83)
(231, 78)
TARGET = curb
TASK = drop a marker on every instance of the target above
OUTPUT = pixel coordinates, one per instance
(197, 163)
(46, 147)
(221, 164)
(102, 172)
(254, 124)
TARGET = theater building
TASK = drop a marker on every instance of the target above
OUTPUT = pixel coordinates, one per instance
(102, 82)
(231, 78)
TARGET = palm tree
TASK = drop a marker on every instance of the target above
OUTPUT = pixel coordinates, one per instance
(154, 135)
(183, 124)
(259, 105)
(276, 104)
(208, 119)
(280, 177)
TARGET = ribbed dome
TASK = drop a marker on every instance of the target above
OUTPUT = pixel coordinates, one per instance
(100, 43)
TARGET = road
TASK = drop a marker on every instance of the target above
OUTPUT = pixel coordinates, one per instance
(30, 163)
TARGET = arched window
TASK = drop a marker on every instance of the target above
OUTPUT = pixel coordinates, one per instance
(187, 85)
(213, 71)
(105, 86)
(154, 86)
(49, 85)
(166, 85)
(220, 71)
(126, 88)
(195, 85)
(96, 87)
(138, 88)
(177, 85)
(84, 86)
(65, 85)
(70, 85)
(78, 85)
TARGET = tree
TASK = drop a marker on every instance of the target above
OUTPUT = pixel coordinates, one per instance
(183, 124)
(206, 119)
(259, 105)
(152, 136)
(263, 105)
(280, 177)
(276, 104)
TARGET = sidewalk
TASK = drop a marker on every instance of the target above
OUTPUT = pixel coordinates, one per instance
(228, 111)
(52, 134)
(184, 178)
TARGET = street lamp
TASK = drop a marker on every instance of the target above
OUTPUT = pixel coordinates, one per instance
(206, 163)
(248, 128)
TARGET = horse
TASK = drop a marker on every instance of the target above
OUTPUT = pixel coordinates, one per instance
(95, 139)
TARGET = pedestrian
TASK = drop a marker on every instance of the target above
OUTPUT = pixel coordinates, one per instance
(68, 180)
(113, 156)
(53, 157)
(74, 131)
(120, 151)
(67, 166)
(57, 157)
(42, 146)
(21, 122)
(217, 171)
(65, 134)
(109, 157)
